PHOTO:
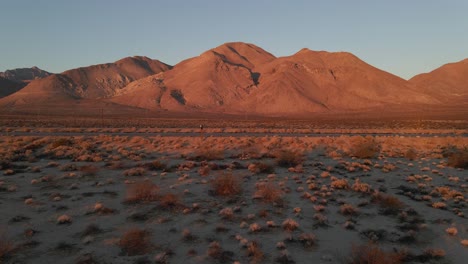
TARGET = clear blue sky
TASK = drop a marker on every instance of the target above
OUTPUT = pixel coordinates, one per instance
(404, 37)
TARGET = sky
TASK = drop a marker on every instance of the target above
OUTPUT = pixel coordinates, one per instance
(403, 37)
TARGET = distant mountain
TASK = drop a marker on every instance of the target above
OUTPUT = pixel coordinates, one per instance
(92, 82)
(319, 81)
(220, 76)
(8, 87)
(448, 82)
(14, 80)
(24, 74)
(241, 78)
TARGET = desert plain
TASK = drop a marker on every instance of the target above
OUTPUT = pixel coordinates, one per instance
(237, 191)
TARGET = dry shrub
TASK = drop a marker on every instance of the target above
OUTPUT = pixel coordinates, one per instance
(411, 154)
(459, 159)
(155, 165)
(226, 184)
(142, 192)
(169, 200)
(216, 252)
(268, 192)
(358, 186)
(61, 142)
(348, 209)
(290, 225)
(372, 254)
(390, 204)
(138, 171)
(364, 148)
(135, 242)
(89, 170)
(288, 158)
(6, 247)
(208, 153)
(261, 167)
(254, 252)
(340, 184)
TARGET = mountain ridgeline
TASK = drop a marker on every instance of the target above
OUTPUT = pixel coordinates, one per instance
(240, 78)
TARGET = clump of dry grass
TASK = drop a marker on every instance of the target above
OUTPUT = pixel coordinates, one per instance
(142, 192)
(372, 254)
(364, 148)
(459, 159)
(288, 158)
(169, 200)
(155, 165)
(439, 205)
(226, 184)
(89, 170)
(390, 204)
(208, 153)
(138, 171)
(268, 193)
(290, 225)
(348, 209)
(135, 242)
(216, 252)
(61, 142)
(6, 247)
(254, 252)
(358, 186)
(340, 184)
(261, 167)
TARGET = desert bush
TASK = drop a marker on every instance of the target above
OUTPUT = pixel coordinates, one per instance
(142, 192)
(390, 204)
(138, 171)
(307, 239)
(288, 158)
(226, 184)
(216, 252)
(268, 193)
(358, 186)
(340, 184)
(372, 254)
(61, 142)
(254, 252)
(411, 154)
(261, 167)
(6, 247)
(135, 242)
(459, 159)
(348, 209)
(208, 153)
(89, 170)
(290, 225)
(155, 165)
(364, 148)
(169, 200)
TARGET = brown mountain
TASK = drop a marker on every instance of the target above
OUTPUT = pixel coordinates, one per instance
(243, 78)
(24, 74)
(221, 76)
(93, 82)
(449, 82)
(318, 81)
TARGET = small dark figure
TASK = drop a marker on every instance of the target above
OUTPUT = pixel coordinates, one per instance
(201, 127)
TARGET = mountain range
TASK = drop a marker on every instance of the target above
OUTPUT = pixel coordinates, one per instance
(237, 78)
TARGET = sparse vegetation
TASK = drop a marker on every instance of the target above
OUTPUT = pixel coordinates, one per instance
(142, 192)
(288, 158)
(373, 254)
(459, 159)
(268, 193)
(226, 185)
(135, 242)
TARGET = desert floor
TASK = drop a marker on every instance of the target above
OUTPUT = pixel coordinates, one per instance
(131, 195)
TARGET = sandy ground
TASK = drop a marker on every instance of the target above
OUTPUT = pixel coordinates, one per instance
(285, 199)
